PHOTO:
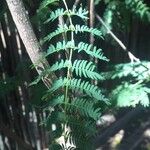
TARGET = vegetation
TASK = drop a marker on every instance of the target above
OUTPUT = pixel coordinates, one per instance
(79, 97)
(84, 80)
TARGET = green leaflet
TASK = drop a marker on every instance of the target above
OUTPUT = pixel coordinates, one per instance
(96, 2)
(78, 84)
(80, 67)
(55, 14)
(82, 13)
(130, 95)
(83, 106)
(57, 84)
(127, 94)
(92, 51)
(45, 3)
(89, 89)
(139, 71)
(139, 8)
(83, 28)
(60, 46)
(86, 69)
(87, 48)
(75, 28)
(57, 101)
(108, 17)
(86, 108)
(61, 29)
(60, 65)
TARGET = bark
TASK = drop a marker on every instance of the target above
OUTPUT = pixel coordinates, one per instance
(21, 20)
(91, 18)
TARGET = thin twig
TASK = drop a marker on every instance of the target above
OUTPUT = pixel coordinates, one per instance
(131, 56)
(76, 2)
(91, 25)
(91, 19)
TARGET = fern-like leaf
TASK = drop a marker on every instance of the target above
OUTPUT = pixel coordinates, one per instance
(139, 71)
(85, 68)
(139, 8)
(84, 28)
(89, 89)
(87, 48)
(60, 65)
(82, 13)
(80, 67)
(57, 66)
(57, 101)
(55, 14)
(85, 107)
(70, 96)
(45, 3)
(61, 29)
(77, 84)
(108, 19)
(93, 51)
(130, 95)
(77, 28)
(60, 46)
(57, 84)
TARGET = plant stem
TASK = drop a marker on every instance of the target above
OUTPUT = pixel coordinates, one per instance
(131, 56)
(68, 69)
(70, 54)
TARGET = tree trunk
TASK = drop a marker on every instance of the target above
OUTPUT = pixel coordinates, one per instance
(29, 39)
